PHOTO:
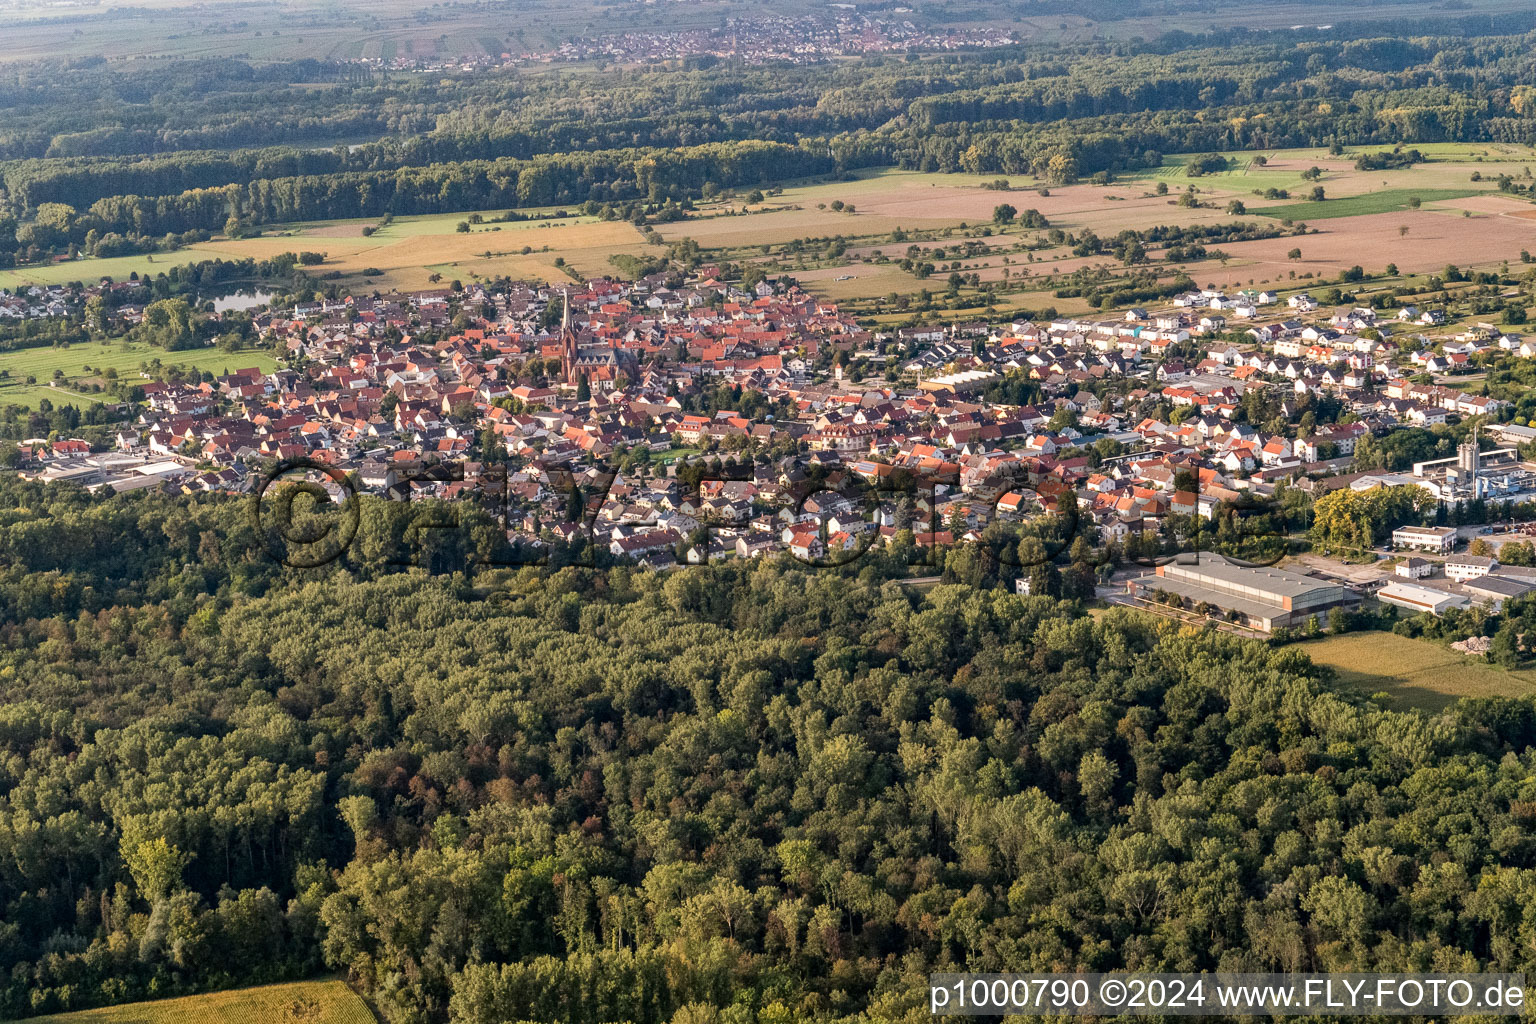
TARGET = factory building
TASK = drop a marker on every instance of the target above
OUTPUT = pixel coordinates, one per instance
(966, 382)
(1474, 473)
(1263, 598)
(1418, 598)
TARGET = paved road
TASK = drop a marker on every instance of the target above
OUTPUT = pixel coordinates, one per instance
(1124, 600)
(1355, 574)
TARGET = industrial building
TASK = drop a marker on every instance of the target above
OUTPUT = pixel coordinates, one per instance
(119, 471)
(965, 382)
(1468, 567)
(1474, 473)
(1424, 538)
(1263, 598)
(1418, 598)
(1493, 591)
(1483, 582)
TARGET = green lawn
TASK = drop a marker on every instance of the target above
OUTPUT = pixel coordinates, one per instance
(1414, 673)
(1491, 152)
(1242, 174)
(91, 270)
(678, 454)
(1173, 170)
(31, 396)
(126, 358)
(309, 1002)
(1387, 201)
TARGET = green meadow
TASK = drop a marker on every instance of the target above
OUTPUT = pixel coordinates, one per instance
(123, 356)
(1389, 201)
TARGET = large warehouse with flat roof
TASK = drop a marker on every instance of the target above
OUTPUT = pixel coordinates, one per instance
(1263, 598)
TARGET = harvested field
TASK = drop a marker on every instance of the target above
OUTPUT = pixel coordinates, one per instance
(1108, 211)
(407, 251)
(1295, 164)
(407, 261)
(1374, 240)
(778, 226)
(864, 281)
(1450, 166)
(344, 229)
(1073, 208)
(1493, 203)
(1354, 229)
(975, 204)
(315, 1002)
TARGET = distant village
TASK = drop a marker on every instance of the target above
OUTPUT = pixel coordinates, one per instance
(1131, 419)
(757, 40)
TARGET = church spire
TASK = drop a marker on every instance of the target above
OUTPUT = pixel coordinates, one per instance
(567, 338)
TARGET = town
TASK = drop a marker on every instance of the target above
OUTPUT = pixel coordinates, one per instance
(1141, 425)
(751, 39)
(686, 512)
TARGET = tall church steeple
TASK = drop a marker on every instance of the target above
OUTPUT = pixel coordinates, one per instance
(567, 339)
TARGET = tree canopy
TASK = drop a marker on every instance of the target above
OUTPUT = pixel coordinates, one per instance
(763, 792)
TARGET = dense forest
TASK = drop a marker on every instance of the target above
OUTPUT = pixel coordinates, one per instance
(92, 153)
(747, 793)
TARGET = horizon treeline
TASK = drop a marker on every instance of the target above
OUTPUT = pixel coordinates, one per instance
(94, 154)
